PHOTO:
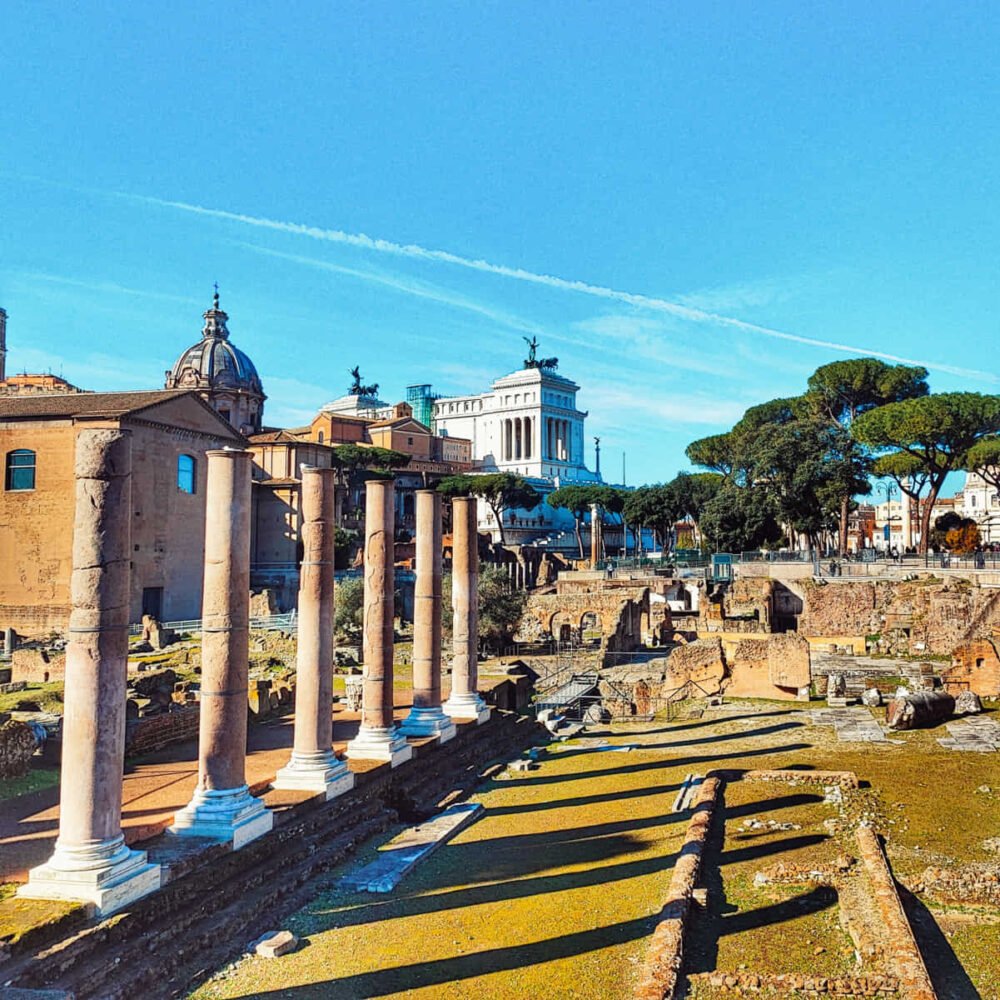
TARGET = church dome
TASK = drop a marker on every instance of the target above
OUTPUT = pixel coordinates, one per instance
(214, 362)
(224, 375)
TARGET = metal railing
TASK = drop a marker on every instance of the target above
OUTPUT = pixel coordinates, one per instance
(280, 623)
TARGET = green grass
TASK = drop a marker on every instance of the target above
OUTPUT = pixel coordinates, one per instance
(48, 696)
(35, 780)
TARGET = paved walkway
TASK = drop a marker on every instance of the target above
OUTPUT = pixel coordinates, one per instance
(154, 789)
(852, 725)
(975, 733)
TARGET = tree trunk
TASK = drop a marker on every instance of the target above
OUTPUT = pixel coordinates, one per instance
(845, 509)
(925, 516)
(579, 534)
(498, 514)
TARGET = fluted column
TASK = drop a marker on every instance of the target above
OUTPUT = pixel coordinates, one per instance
(464, 701)
(222, 806)
(314, 766)
(379, 738)
(90, 861)
(427, 718)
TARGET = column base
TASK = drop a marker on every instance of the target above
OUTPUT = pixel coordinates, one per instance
(467, 708)
(104, 873)
(224, 814)
(428, 722)
(319, 772)
(377, 743)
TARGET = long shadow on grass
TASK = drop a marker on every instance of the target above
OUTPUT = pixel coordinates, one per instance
(652, 765)
(420, 974)
(500, 892)
(535, 840)
(742, 734)
(949, 978)
(756, 851)
(822, 897)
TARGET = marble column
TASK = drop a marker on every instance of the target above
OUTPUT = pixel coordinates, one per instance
(427, 718)
(596, 531)
(222, 806)
(464, 701)
(379, 738)
(905, 509)
(314, 766)
(90, 862)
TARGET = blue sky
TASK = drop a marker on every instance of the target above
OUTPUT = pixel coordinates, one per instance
(693, 205)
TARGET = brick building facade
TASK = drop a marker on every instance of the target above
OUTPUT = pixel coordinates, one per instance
(171, 431)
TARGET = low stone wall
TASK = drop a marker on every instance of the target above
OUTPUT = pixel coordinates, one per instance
(978, 884)
(156, 732)
(795, 982)
(845, 779)
(17, 745)
(662, 969)
(914, 980)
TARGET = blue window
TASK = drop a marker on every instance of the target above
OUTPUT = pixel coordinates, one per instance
(186, 467)
(20, 470)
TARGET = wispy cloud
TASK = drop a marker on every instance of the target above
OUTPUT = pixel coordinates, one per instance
(695, 409)
(653, 303)
(103, 287)
(419, 289)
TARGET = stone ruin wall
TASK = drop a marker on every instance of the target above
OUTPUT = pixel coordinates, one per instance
(940, 615)
(621, 612)
(771, 666)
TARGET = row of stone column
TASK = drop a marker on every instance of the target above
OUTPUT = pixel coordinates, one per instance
(517, 438)
(558, 439)
(90, 861)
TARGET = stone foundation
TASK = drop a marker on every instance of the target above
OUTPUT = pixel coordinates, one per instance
(213, 899)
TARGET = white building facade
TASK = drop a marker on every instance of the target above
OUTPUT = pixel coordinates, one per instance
(529, 424)
(981, 502)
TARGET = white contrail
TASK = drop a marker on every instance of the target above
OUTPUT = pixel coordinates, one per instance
(413, 250)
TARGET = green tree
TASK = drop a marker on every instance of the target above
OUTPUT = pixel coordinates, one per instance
(842, 391)
(501, 491)
(938, 432)
(738, 519)
(501, 608)
(984, 460)
(577, 499)
(349, 606)
(655, 507)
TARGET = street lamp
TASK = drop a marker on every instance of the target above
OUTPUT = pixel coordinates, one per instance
(888, 490)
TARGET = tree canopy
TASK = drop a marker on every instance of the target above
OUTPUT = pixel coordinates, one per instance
(936, 433)
(501, 491)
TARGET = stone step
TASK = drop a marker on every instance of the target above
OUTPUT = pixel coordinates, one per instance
(403, 853)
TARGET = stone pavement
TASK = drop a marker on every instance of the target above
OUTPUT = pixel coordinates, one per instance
(852, 725)
(975, 733)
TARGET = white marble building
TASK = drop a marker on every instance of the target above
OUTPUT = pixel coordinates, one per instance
(981, 502)
(527, 423)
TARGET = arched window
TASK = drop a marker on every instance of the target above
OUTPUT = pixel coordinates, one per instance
(186, 480)
(20, 470)
(320, 437)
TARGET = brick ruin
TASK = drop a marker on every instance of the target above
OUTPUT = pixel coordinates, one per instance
(761, 637)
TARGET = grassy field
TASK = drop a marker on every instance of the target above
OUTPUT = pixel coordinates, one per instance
(554, 891)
